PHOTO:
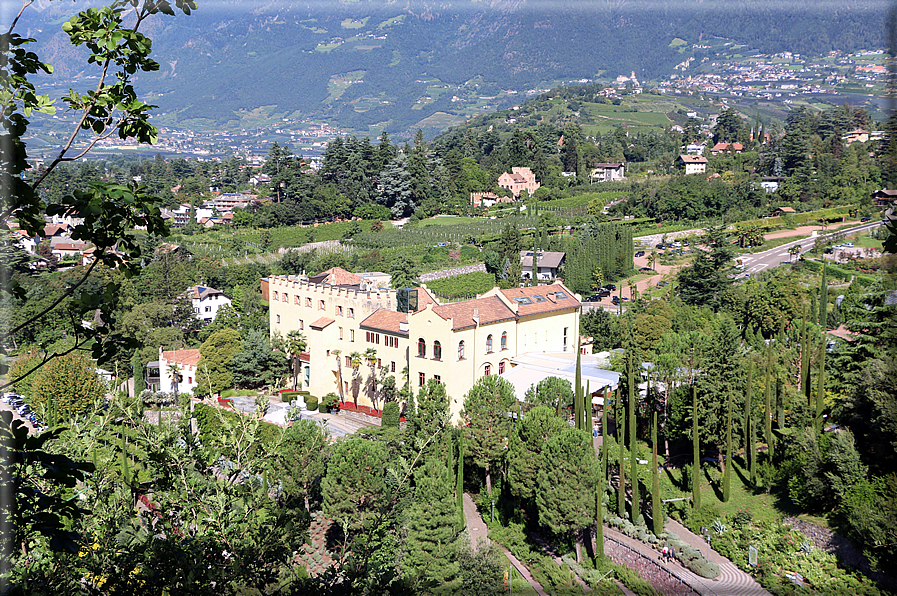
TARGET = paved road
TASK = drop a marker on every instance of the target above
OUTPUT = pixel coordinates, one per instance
(776, 256)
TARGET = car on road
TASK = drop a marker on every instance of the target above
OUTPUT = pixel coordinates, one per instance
(640, 253)
(865, 219)
(662, 283)
(848, 245)
(645, 270)
(610, 287)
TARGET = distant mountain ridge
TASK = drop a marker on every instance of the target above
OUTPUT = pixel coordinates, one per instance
(390, 65)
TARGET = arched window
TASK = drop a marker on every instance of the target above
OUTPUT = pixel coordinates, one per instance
(461, 350)
(501, 367)
(488, 369)
(504, 341)
(421, 348)
(437, 350)
(489, 344)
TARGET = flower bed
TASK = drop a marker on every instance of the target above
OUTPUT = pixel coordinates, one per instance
(349, 406)
(225, 402)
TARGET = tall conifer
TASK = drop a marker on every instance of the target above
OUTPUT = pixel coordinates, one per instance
(633, 447)
(696, 452)
(820, 388)
(727, 473)
(823, 298)
(577, 392)
(656, 509)
(621, 491)
(767, 415)
(805, 359)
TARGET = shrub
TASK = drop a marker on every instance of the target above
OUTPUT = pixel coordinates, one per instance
(391, 415)
(322, 407)
(311, 403)
(330, 401)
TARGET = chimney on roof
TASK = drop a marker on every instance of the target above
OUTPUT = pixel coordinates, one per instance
(476, 316)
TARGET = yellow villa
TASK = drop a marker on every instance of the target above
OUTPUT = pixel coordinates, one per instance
(455, 343)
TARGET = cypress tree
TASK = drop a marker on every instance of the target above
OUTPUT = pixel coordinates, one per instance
(633, 460)
(820, 390)
(767, 415)
(656, 511)
(599, 496)
(621, 491)
(823, 298)
(587, 410)
(727, 473)
(459, 481)
(805, 359)
(604, 438)
(750, 458)
(696, 453)
(577, 392)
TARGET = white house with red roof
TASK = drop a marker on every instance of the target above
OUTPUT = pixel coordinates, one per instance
(206, 302)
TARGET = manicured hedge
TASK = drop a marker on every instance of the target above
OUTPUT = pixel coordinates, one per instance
(209, 424)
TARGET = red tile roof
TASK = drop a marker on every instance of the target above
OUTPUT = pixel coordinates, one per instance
(182, 357)
(386, 320)
(336, 276)
(322, 323)
(693, 159)
(531, 301)
(490, 310)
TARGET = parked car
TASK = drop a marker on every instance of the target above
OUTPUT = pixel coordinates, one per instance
(662, 283)
(848, 244)
(610, 287)
(865, 219)
(592, 298)
(676, 245)
(640, 253)
(645, 270)
(615, 301)
(603, 292)
(660, 246)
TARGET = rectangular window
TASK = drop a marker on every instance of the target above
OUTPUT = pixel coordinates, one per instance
(351, 335)
(208, 309)
(351, 313)
(189, 380)
(379, 363)
(296, 300)
(348, 362)
(392, 366)
(301, 325)
(308, 302)
(276, 295)
(565, 338)
(421, 379)
(339, 311)
(321, 305)
(340, 332)
(278, 318)
(286, 297)
(438, 379)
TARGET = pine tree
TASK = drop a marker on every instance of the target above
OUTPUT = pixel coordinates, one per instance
(431, 544)
(566, 484)
(656, 509)
(633, 447)
(696, 454)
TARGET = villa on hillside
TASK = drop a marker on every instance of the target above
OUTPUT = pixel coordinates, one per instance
(608, 172)
(547, 264)
(721, 148)
(160, 373)
(692, 164)
(884, 197)
(518, 180)
(206, 302)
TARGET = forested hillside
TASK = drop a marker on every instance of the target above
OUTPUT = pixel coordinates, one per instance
(392, 65)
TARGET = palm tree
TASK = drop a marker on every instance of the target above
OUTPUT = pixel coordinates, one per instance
(793, 251)
(296, 344)
(652, 259)
(355, 359)
(370, 356)
(339, 373)
(174, 370)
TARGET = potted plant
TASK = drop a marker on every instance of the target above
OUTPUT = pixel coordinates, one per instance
(330, 403)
